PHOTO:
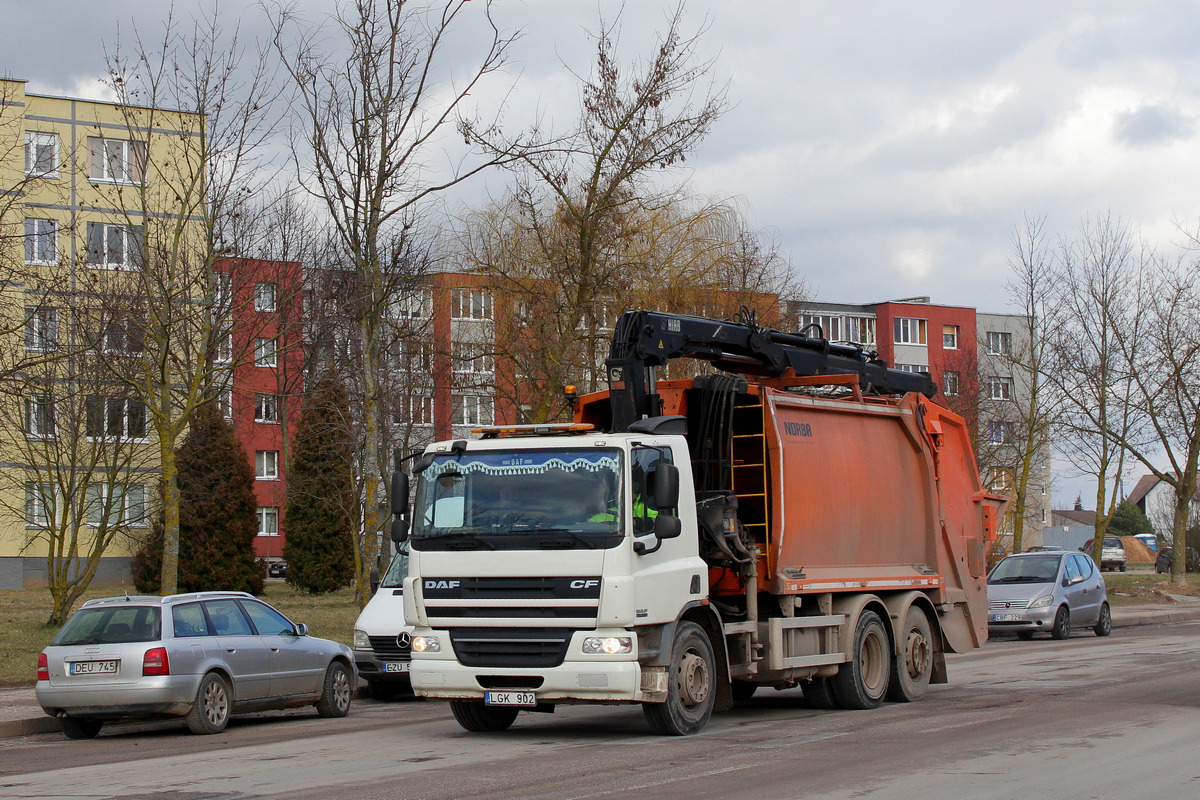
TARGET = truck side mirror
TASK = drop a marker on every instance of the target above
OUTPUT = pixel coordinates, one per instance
(399, 493)
(666, 486)
(667, 526)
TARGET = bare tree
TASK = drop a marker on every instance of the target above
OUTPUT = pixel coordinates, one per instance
(574, 236)
(183, 172)
(370, 124)
(1099, 305)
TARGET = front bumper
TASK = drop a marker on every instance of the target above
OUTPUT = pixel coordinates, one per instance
(171, 695)
(373, 668)
(1027, 619)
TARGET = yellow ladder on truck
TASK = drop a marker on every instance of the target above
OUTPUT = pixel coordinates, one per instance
(748, 455)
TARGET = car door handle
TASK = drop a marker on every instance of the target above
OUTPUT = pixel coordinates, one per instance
(274, 649)
(230, 649)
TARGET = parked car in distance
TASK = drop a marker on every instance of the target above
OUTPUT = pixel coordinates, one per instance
(203, 656)
(277, 569)
(382, 642)
(1048, 591)
(1112, 554)
(1162, 562)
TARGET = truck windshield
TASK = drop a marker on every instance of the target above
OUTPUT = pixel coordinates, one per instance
(523, 499)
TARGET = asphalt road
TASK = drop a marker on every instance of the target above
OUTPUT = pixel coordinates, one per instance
(1086, 718)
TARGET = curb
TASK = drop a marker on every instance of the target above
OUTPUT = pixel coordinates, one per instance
(28, 727)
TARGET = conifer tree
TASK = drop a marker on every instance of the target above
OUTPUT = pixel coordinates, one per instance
(218, 514)
(321, 499)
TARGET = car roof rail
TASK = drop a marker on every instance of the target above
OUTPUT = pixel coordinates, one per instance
(201, 595)
(99, 601)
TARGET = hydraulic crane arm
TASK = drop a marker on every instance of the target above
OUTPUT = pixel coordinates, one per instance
(643, 340)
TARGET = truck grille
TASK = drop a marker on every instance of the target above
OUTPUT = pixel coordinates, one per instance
(553, 600)
(510, 647)
(389, 647)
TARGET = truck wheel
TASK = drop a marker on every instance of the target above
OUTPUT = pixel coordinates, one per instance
(914, 667)
(1062, 624)
(819, 694)
(691, 687)
(80, 727)
(337, 692)
(744, 690)
(210, 712)
(475, 717)
(863, 680)
(1104, 623)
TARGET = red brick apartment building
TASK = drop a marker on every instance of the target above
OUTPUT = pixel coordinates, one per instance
(264, 353)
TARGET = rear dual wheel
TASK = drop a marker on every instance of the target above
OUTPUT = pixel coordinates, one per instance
(913, 668)
(862, 682)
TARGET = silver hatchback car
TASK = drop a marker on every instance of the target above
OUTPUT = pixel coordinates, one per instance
(1047, 591)
(202, 656)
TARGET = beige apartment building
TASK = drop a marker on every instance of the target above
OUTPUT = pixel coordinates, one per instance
(80, 182)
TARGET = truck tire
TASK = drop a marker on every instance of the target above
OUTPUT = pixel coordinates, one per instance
(475, 717)
(337, 692)
(862, 682)
(819, 694)
(80, 727)
(1062, 624)
(912, 669)
(214, 703)
(691, 687)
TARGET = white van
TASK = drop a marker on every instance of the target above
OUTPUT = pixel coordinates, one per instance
(382, 642)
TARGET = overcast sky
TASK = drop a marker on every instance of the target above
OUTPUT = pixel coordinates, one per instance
(891, 147)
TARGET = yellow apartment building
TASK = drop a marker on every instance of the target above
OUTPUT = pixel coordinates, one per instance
(87, 189)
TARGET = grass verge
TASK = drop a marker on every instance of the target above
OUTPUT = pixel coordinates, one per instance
(23, 629)
(1129, 588)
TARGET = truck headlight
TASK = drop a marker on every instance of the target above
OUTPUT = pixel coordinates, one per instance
(609, 645)
(361, 640)
(426, 644)
(1042, 601)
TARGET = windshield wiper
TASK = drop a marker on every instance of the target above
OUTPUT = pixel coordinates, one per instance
(466, 537)
(570, 537)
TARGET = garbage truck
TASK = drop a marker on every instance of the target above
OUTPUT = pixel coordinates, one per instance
(801, 516)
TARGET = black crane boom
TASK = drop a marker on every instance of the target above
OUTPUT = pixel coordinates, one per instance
(643, 340)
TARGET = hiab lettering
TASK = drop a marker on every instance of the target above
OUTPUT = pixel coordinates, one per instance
(797, 429)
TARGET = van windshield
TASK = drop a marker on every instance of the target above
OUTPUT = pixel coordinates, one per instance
(397, 570)
(520, 499)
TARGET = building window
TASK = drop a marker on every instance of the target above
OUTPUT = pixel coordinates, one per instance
(919, 369)
(908, 330)
(265, 296)
(264, 352)
(1000, 388)
(115, 246)
(110, 505)
(115, 160)
(831, 326)
(266, 408)
(861, 330)
(414, 305)
(949, 337)
(39, 417)
(268, 521)
(473, 410)
(1000, 480)
(413, 409)
(266, 465)
(222, 293)
(999, 343)
(224, 352)
(41, 155)
(225, 404)
(115, 418)
(950, 383)
(1000, 432)
(468, 358)
(125, 336)
(41, 241)
(41, 329)
(471, 304)
(39, 504)
(413, 356)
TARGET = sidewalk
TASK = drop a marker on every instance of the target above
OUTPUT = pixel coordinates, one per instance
(20, 715)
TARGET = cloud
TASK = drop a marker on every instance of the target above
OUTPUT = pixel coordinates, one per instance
(1152, 125)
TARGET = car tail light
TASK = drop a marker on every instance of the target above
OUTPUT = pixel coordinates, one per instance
(43, 668)
(155, 662)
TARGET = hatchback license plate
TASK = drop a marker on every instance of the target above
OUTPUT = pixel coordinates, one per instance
(509, 699)
(396, 666)
(93, 667)
(1006, 617)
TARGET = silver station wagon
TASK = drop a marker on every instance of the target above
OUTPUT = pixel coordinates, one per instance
(203, 656)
